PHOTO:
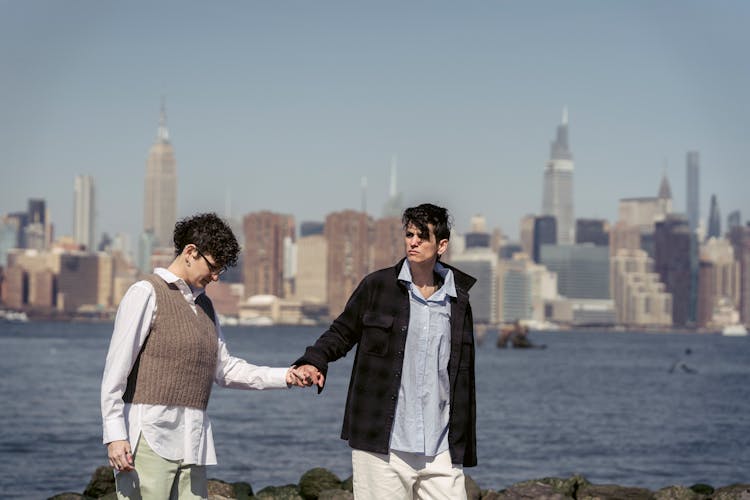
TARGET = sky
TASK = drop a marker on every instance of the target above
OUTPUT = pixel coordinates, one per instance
(286, 106)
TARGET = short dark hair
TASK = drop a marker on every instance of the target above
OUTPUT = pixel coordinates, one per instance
(425, 214)
(211, 235)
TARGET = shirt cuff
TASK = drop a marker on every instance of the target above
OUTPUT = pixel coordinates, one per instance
(114, 430)
(277, 378)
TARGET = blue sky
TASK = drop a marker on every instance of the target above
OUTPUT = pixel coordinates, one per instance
(287, 105)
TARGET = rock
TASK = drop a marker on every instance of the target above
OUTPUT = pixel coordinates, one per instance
(242, 490)
(316, 480)
(68, 496)
(734, 491)
(288, 492)
(703, 489)
(102, 482)
(613, 492)
(532, 491)
(677, 493)
(348, 484)
(472, 488)
(490, 495)
(109, 496)
(568, 488)
(336, 494)
(219, 488)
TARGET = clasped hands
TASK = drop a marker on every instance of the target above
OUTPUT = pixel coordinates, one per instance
(304, 376)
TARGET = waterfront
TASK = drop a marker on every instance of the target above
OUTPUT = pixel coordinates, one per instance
(600, 404)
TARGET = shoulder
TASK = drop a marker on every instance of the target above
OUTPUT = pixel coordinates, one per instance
(138, 295)
(463, 281)
(388, 275)
(140, 287)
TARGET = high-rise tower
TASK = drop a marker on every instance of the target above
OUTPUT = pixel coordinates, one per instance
(693, 189)
(264, 259)
(84, 211)
(160, 199)
(714, 219)
(558, 184)
(394, 206)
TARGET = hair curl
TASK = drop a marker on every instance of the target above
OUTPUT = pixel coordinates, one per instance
(423, 215)
(211, 235)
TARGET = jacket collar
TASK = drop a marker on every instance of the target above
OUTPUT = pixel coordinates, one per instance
(463, 281)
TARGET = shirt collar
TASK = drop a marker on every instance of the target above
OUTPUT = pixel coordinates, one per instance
(171, 277)
(449, 284)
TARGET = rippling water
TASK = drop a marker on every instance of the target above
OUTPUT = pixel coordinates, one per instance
(600, 404)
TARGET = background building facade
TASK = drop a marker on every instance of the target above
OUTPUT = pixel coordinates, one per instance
(348, 235)
(267, 234)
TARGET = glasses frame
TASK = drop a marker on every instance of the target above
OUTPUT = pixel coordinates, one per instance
(211, 267)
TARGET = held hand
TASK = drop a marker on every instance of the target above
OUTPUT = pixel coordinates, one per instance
(312, 375)
(296, 378)
(120, 456)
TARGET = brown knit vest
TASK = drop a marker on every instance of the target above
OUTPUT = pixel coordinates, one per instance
(177, 362)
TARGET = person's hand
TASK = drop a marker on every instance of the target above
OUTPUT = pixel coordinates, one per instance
(296, 378)
(120, 456)
(312, 375)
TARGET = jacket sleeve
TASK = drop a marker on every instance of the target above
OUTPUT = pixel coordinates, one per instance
(341, 336)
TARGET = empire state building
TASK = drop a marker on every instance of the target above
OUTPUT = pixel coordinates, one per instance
(558, 185)
(160, 198)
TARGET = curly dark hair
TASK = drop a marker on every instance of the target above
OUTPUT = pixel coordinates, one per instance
(425, 214)
(211, 235)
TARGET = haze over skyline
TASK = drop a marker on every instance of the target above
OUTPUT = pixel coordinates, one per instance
(286, 107)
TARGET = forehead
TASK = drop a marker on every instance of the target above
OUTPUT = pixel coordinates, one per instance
(411, 228)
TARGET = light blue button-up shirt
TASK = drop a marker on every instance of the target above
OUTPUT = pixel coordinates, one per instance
(423, 408)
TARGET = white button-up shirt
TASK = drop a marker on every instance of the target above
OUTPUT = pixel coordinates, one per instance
(173, 432)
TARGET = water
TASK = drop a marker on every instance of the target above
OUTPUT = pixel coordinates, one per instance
(600, 404)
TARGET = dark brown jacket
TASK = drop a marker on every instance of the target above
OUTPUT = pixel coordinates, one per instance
(376, 319)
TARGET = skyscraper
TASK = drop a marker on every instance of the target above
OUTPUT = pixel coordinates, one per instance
(83, 211)
(673, 247)
(38, 232)
(714, 220)
(264, 257)
(160, 199)
(594, 231)
(545, 233)
(388, 236)
(693, 189)
(734, 219)
(558, 184)
(348, 234)
(394, 206)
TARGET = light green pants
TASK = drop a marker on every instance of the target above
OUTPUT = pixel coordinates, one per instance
(156, 478)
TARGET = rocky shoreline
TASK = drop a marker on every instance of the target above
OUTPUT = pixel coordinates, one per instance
(322, 484)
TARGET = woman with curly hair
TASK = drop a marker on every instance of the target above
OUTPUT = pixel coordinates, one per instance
(166, 352)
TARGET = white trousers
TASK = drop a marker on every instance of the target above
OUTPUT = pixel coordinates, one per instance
(406, 476)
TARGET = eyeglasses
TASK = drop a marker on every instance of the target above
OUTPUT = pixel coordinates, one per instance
(216, 270)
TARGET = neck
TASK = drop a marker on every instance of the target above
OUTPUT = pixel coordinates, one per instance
(422, 273)
(177, 268)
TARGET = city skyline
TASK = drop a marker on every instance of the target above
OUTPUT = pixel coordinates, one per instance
(288, 109)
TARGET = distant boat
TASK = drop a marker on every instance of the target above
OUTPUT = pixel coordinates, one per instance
(737, 330)
(16, 317)
(517, 335)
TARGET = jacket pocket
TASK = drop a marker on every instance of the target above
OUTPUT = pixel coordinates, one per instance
(376, 330)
